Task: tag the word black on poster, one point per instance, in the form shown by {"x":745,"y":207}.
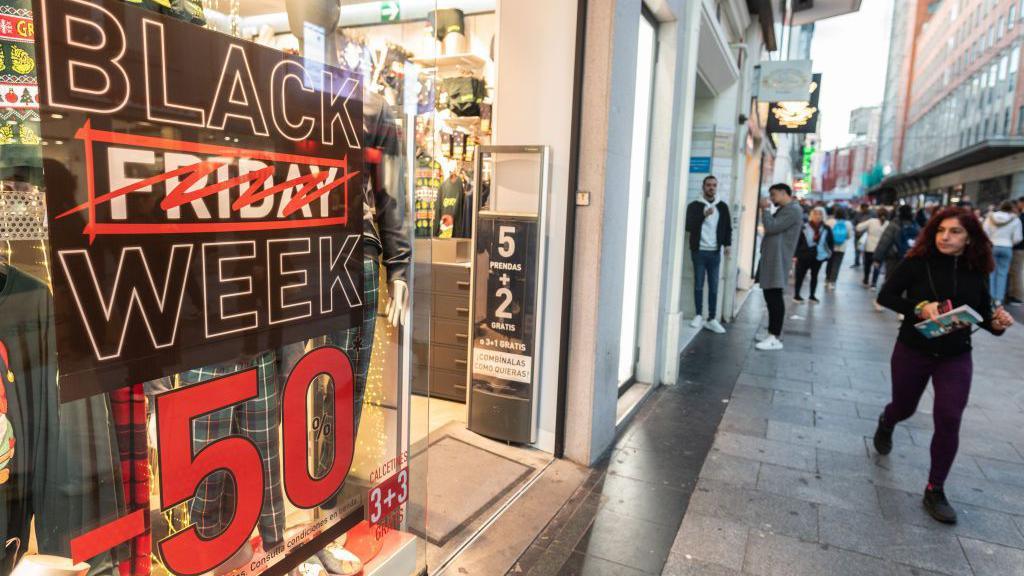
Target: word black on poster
{"x":504,"y":329}
{"x":203,"y":194}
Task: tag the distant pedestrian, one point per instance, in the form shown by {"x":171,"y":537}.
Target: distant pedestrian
{"x":897,"y":239}
{"x":781,"y":232}
{"x":872,"y":229}
{"x":950,"y":262}
{"x":842,"y":236}
{"x":1003,"y":227}
{"x":1015,"y":285}
{"x":922,"y":215}
{"x":813,"y":248}
{"x":862,"y":215}
{"x":710,"y":228}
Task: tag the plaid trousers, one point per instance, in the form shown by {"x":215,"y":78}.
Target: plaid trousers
{"x":357,"y":343}
{"x":258,"y":420}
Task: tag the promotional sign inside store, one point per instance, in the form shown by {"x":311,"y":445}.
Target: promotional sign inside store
{"x":503,"y":348}
{"x":197,"y":212}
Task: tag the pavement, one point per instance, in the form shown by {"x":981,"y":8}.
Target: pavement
{"x":760,"y":463}
{"x":791,"y":485}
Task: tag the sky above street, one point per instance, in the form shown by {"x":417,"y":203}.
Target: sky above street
{"x":851,"y":52}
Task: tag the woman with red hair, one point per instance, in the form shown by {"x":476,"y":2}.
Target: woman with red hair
{"x":950,"y":261}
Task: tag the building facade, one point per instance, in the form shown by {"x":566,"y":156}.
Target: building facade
{"x":961,"y":127}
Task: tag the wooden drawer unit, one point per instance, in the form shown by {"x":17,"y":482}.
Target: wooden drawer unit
{"x":445,"y":384}
{"x":441,"y":343}
{"x":452,"y":279}
{"x":448,"y":385}
{"x":451,"y":307}
{"x":450,"y":332}
{"x":448,"y":357}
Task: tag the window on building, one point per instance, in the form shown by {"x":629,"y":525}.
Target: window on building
{"x":1006,"y":122}
{"x":1020,"y":121}
{"x":1002,"y":27}
{"x":1012,"y":17}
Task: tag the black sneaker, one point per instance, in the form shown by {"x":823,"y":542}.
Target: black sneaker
{"x":883,"y":437}
{"x":938,"y":507}
{"x":814,"y":300}
{"x":798,"y":299}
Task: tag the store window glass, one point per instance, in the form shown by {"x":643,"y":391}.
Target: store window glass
{"x":237,"y":269}
{"x":207,"y":288}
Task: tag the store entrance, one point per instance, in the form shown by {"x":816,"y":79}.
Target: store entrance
{"x":638,"y":191}
{"x":468,"y":476}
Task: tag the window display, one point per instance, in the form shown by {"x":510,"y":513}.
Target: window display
{"x":235,"y":244}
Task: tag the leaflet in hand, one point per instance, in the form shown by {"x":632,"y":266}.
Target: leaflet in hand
{"x":956,"y":319}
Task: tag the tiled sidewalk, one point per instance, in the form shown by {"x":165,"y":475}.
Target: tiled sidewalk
{"x":792,"y":486}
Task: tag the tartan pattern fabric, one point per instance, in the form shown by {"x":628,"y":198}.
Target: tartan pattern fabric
{"x":357,"y":343}
{"x":128,"y":406}
{"x":258,"y":420}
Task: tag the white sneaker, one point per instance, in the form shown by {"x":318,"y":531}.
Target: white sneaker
{"x":715,"y":326}
{"x":769,"y":343}
{"x":697,"y":322}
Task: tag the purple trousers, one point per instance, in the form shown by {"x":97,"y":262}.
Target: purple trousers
{"x":951,"y":379}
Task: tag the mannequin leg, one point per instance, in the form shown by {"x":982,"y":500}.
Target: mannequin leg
{"x":257,"y":419}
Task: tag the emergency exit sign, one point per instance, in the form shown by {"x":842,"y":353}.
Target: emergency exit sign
{"x":390,"y":11}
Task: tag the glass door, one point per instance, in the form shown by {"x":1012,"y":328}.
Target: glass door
{"x":638,"y":184}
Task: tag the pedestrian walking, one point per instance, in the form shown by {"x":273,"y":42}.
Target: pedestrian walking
{"x":781,"y":232}
{"x":842,"y":236}
{"x":863,"y":214}
{"x":897,"y":239}
{"x":1003,"y":227}
{"x":813,"y":248}
{"x":1015,"y":284}
{"x":950,"y":262}
{"x":872,"y":229}
{"x":710,"y":228}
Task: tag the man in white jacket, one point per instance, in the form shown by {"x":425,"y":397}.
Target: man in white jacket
{"x":1005,"y":230}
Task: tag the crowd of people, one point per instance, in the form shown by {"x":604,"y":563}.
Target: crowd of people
{"x":947,"y":271}
{"x":879,"y":237}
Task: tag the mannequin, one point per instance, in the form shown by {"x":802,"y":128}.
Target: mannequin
{"x":384,"y":243}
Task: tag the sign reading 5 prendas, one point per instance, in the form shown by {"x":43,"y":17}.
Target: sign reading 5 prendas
{"x":503,"y":337}
{"x":202,"y":194}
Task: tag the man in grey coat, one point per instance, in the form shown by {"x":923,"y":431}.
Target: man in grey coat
{"x":781,"y":232}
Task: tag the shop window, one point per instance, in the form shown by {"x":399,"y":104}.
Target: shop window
{"x":286,"y":205}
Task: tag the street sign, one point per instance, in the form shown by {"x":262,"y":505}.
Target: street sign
{"x":390,"y":11}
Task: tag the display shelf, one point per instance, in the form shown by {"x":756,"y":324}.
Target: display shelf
{"x":450,"y":61}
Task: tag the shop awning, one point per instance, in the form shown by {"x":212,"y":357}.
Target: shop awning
{"x":808,"y":11}
{"x":980,"y":153}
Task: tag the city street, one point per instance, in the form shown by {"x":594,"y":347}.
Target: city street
{"x":766,"y":460}
{"x":792,"y":485}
